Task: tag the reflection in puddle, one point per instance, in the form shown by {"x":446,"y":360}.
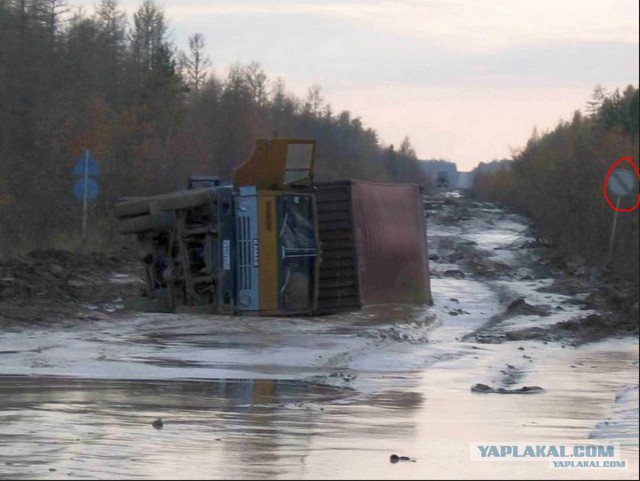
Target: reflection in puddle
{"x":53,"y":427}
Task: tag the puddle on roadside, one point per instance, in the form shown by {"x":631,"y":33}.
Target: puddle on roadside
{"x":52,"y":427}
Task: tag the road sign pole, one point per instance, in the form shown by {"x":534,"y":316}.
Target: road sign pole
{"x":85,"y":188}
{"x":613,"y":231}
{"x":84,"y":202}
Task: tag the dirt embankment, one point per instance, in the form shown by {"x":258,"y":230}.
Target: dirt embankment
{"x":596,"y":287}
{"x":49,"y":285}
{"x":615,"y":299}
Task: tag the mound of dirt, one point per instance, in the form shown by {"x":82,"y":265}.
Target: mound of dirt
{"x":49,"y":284}
{"x":595,"y":327}
{"x":520,"y":307}
{"x":483,"y":388}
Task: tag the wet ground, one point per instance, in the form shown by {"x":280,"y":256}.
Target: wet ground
{"x":331,"y":397}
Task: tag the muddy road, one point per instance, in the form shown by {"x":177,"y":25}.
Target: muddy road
{"x":515,"y":349}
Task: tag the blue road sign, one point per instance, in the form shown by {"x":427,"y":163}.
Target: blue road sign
{"x":91,"y":165}
{"x":91,"y":186}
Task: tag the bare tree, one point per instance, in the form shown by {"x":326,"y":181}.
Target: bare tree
{"x":194,"y":65}
{"x":257,"y":82}
{"x":597,"y":98}
{"x":314,"y":100}
{"x":406,"y":149}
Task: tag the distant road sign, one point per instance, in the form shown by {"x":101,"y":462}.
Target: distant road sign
{"x":621,"y":182}
{"x":86,"y":161}
{"x":92,"y":189}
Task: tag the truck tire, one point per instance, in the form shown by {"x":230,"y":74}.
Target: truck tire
{"x":160,"y":222}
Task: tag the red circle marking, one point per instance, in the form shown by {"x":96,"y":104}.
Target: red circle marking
{"x":606,"y":181}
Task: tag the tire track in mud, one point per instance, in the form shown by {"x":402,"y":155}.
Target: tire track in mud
{"x":475,"y":241}
{"x":403,"y":327}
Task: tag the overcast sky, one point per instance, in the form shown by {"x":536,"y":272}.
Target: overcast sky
{"x":467,"y":81}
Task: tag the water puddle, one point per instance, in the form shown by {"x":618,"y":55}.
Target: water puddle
{"x":90,"y":428}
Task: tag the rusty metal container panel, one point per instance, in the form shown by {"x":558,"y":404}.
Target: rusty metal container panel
{"x":391,"y":243}
{"x":373,"y":239}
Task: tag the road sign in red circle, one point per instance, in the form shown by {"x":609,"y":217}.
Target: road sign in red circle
{"x":606,"y":182}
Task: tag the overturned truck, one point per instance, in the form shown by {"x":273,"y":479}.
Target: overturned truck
{"x":275,"y":242}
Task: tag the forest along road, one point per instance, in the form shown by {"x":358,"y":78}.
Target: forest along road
{"x":89,"y":389}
